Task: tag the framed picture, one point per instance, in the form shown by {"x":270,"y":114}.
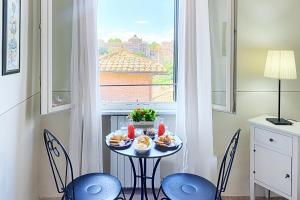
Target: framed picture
{"x":11,"y":36}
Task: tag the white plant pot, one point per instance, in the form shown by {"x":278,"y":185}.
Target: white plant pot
{"x":144,"y":124}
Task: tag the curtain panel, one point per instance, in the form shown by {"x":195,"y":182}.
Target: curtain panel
{"x":85,"y":133}
{"x":194,"y":102}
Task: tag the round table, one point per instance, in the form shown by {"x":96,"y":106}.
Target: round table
{"x":154,"y":152}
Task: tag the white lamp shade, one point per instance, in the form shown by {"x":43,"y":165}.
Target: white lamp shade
{"x":281,"y":65}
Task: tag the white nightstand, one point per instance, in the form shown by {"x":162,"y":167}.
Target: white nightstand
{"x":274,"y":154}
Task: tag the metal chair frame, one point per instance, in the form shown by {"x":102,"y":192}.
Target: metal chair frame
{"x":225,"y":168}
{"x":55,"y":150}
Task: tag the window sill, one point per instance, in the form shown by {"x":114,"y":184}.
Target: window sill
{"x":125,"y":108}
{"x":126,"y":112}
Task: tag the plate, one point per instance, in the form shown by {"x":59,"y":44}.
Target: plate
{"x":126,"y":144}
{"x":136,"y":145}
{"x":173,"y":144}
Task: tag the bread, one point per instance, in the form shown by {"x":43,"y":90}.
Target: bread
{"x":115,"y":140}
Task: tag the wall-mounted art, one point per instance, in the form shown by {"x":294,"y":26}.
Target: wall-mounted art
{"x":11,"y":37}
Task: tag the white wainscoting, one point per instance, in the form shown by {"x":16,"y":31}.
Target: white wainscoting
{"x":121,"y":167}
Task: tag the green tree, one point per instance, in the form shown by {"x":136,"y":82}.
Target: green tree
{"x":114,"y":45}
{"x":154,"y":46}
{"x":102,"y":51}
{"x":166,"y":78}
{"x":140,"y":53}
{"x":115,"y":41}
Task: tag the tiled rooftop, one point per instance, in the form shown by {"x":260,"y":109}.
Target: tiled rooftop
{"x":124,"y":61}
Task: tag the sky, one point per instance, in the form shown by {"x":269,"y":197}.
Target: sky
{"x":151,"y":20}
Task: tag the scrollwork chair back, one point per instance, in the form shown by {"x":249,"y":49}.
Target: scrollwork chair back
{"x":60,"y":163}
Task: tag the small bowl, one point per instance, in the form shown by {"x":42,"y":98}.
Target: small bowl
{"x":140,"y":150}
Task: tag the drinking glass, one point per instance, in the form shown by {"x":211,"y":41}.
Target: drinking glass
{"x":123,"y":126}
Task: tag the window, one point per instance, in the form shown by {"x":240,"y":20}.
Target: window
{"x":223,"y":44}
{"x":137,"y":42}
{"x":56,"y":32}
{"x":137,"y":55}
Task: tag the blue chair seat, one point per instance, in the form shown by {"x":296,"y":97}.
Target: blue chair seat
{"x":183,"y":186}
{"x":94,"y":186}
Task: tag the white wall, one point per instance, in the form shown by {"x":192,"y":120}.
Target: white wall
{"x":58,"y":124}
{"x":19,"y":115}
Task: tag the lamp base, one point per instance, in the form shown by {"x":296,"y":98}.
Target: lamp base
{"x":281,"y":121}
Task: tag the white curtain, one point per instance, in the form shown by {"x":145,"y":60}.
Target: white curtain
{"x":85,"y":133}
{"x":194,"y":104}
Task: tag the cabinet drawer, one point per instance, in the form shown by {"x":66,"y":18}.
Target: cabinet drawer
{"x":273,"y":169}
{"x":277,"y":141}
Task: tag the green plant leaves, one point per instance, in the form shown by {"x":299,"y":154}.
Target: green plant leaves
{"x":142,"y":114}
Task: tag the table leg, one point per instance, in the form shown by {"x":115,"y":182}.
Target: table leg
{"x":142,"y":178}
{"x":134,"y":178}
{"x":145,"y":177}
{"x":252,"y":188}
{"x":153,"y":176}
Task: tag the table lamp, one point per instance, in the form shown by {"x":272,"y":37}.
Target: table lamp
{"x":280,"y":65}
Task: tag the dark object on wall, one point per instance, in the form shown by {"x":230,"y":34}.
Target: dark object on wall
{"x":11,"y":37}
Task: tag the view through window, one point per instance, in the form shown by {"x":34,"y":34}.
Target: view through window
{"x":136,"y":50}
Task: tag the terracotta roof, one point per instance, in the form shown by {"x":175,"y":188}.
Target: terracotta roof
{"x":124,"y":61}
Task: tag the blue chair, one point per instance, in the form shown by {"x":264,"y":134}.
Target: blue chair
{"x":184,"y":186}
{"x":92,"y":186}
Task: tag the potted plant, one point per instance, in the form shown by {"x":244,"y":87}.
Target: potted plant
{"x":143,"y":117}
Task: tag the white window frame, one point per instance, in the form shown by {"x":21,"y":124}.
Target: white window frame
{"x":230,"y":105}
{"x":46,"y":60}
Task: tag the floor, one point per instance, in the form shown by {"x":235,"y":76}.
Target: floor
{"x":137,"y":197}
{"x":224,"y":198}
{"x":247,"y":198}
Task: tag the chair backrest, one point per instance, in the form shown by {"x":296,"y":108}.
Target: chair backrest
{"x":226,"y":164}
{"x":60,"y":163}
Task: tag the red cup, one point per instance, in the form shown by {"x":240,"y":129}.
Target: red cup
{"x":131,"y":134}
{"x":161,"y":129}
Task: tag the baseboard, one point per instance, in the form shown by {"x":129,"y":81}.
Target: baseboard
{"x":50,"y":198}
{"x":223,"y":198}
{"x":248,"y":198}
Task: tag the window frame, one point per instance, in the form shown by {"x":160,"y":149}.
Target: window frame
{"x":165,"y":108}
{"x":46,"y":60}
{"x":230,"y":106}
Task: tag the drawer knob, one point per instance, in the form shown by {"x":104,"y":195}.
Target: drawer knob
{"x":287,"y":176}
{"x":271,"y":140}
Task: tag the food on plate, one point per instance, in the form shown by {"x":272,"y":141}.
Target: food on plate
{"x":165,"y":140}
{"x":141,"y":146}
{"x":142,"y":143}
{"x":151,"y":132}
{"x":118,"y":140}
